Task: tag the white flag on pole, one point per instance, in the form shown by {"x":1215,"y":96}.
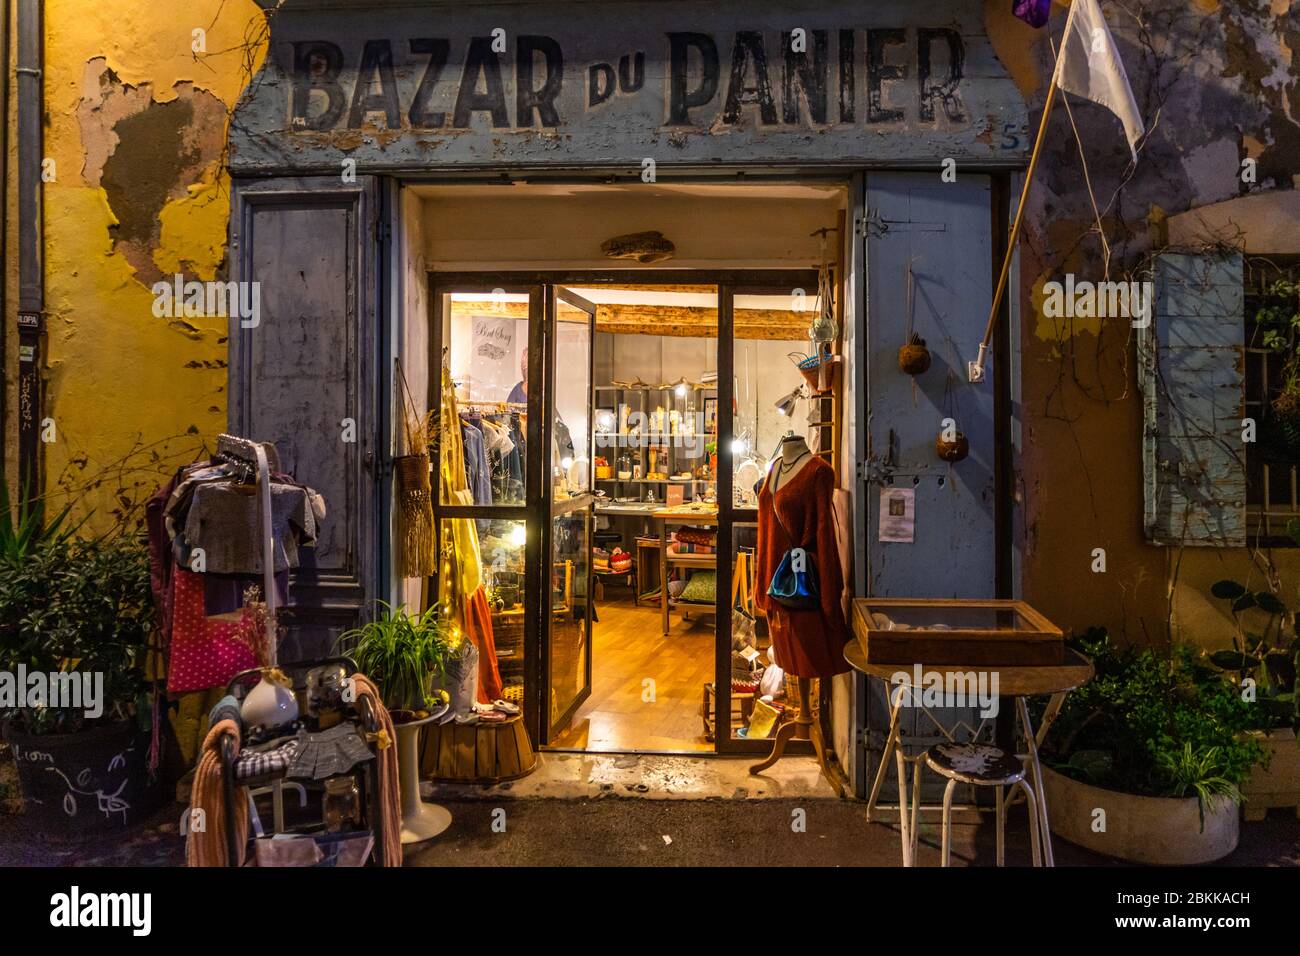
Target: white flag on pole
{"x":1089,"y":66}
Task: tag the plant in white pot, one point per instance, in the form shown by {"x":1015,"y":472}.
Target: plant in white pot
{"x":1262,"y":666}
{"x":76,"y":616}
{"x":404,"y":654}
{"x":1145,"y":762}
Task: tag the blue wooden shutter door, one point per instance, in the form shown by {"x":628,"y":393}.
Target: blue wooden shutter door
{"x":945,"y":231}
{"x":310,"y":364}
{"x":1191,"y":366}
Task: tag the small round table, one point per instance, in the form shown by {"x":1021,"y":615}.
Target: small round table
{"x":1058,"y":680}
{"x":420,"y":821}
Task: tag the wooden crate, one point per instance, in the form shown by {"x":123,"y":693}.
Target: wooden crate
{"x":477,"y":753}
{"x":952,"y":631}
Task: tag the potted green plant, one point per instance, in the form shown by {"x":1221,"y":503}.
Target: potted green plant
{"x":1261,"y":665}
{"x":76,"y":616}
{"x":1146,"y":761}
{"x":403,"y":654}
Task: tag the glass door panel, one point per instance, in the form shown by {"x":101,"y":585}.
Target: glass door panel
{"x":569,"y":402}
{"x":482,"y":444}
{"x":770,"y":398}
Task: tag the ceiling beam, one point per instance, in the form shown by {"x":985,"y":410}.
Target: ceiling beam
{"x":685,"y":321}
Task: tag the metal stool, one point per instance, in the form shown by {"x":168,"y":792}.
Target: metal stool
{"x":983,"y":766}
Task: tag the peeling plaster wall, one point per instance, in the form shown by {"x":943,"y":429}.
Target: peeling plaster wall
{"x":136,"y":125}
{"x":1217,"y":82}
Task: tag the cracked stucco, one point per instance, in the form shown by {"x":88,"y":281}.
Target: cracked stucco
{"x":137,"y":127}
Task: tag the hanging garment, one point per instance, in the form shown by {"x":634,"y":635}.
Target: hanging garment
{"x":204,"y":652}
{"x":207,"y":846}
{"x":388,"y":800}
{"x":809,"y":641}
{"x":460,"y":564}
{"x":478,"y":476}
{"x":224,"y":521}
{"x":478,"y":627}
{"x":161,"y":565}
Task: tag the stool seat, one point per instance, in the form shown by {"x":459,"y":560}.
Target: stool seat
{"x":978,"y":764}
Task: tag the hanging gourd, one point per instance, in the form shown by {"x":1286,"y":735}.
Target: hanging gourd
{"x":951,"y":444}
{"x":914,"y":357}
{"x":951,"y":447}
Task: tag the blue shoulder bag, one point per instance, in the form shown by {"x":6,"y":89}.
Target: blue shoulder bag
{"x":794,"y":583}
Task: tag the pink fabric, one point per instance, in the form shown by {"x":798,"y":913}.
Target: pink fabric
{"x":204,"y":653}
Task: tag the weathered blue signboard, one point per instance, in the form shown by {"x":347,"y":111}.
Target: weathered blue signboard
{"x":581,"y":84}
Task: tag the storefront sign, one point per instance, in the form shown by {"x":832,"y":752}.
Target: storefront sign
{"x":635,"y":84}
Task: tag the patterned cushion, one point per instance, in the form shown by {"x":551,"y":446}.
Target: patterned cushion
{"x":974,"y":763}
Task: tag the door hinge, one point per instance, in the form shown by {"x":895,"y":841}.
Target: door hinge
{"x":383,"y":230}
{"x":869,"y":225}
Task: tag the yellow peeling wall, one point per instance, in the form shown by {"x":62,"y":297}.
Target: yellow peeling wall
{"x":136,"y":132}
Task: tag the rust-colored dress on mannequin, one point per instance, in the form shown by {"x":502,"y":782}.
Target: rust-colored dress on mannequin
{"x":809,"y":642}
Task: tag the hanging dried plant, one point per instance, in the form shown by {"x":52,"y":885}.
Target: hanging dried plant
{"x":414,"y":491}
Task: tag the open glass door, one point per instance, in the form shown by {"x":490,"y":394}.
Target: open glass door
{"x":566,"y":679}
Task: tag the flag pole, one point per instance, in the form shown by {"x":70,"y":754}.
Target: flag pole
{"x":975,"y":369}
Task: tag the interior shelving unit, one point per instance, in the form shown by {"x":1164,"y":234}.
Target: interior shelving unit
{"x":678,"y":450}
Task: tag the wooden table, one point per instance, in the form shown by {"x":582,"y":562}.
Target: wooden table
{"x":1014,"y":682}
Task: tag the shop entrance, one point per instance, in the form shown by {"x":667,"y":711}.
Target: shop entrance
{"x":615,"y":511}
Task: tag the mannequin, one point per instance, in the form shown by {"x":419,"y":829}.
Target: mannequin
{"x":795,"y":453}
{"x":795,"y":457}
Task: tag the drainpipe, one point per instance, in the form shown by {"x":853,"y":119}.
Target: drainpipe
{"x":5,"y":36}
{"x":31,"y":236}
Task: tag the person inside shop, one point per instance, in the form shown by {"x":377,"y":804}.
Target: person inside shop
{"x":563,"y":440}
{"x":520,"y":392}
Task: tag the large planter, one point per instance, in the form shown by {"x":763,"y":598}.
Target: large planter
{"x":83,"y":785}
{"x":1158,"y":830}
{"x":1279,"y":785}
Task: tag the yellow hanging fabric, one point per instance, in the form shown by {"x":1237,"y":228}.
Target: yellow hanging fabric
{"x":462,"y":564}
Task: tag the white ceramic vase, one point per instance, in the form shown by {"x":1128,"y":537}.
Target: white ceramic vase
{"x":269,"y":704}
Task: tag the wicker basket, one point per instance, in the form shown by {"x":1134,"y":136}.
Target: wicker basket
{"x":412,"y":472}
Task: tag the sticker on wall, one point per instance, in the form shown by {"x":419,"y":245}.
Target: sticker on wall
{"x":898,"y":515}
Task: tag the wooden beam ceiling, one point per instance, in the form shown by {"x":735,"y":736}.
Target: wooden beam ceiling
{"x":685,"y":321}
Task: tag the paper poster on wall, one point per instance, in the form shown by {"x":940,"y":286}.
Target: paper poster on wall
{"x":493,"y":351}
{"x":898,"y":515}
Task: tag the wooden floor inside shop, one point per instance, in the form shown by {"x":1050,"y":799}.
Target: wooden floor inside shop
{"x":627,"y":647}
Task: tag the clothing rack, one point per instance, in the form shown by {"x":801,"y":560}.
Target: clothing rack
{"x":256,"y":458}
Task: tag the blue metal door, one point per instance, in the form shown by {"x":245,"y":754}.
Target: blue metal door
{"x":929,"y":250}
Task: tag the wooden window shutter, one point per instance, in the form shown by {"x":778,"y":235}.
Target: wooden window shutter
{"x":1191,"y":366}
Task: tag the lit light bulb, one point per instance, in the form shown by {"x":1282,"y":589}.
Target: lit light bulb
{"x":738,"y":446}
{"x":681,"y":389}
{"x":566,"y":463}
{"x":518,"y":535}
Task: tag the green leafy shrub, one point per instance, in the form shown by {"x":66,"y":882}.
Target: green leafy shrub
{"x":1269,"y":656}
{"x":79,"y":606}
{"x":1154,"y":727}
